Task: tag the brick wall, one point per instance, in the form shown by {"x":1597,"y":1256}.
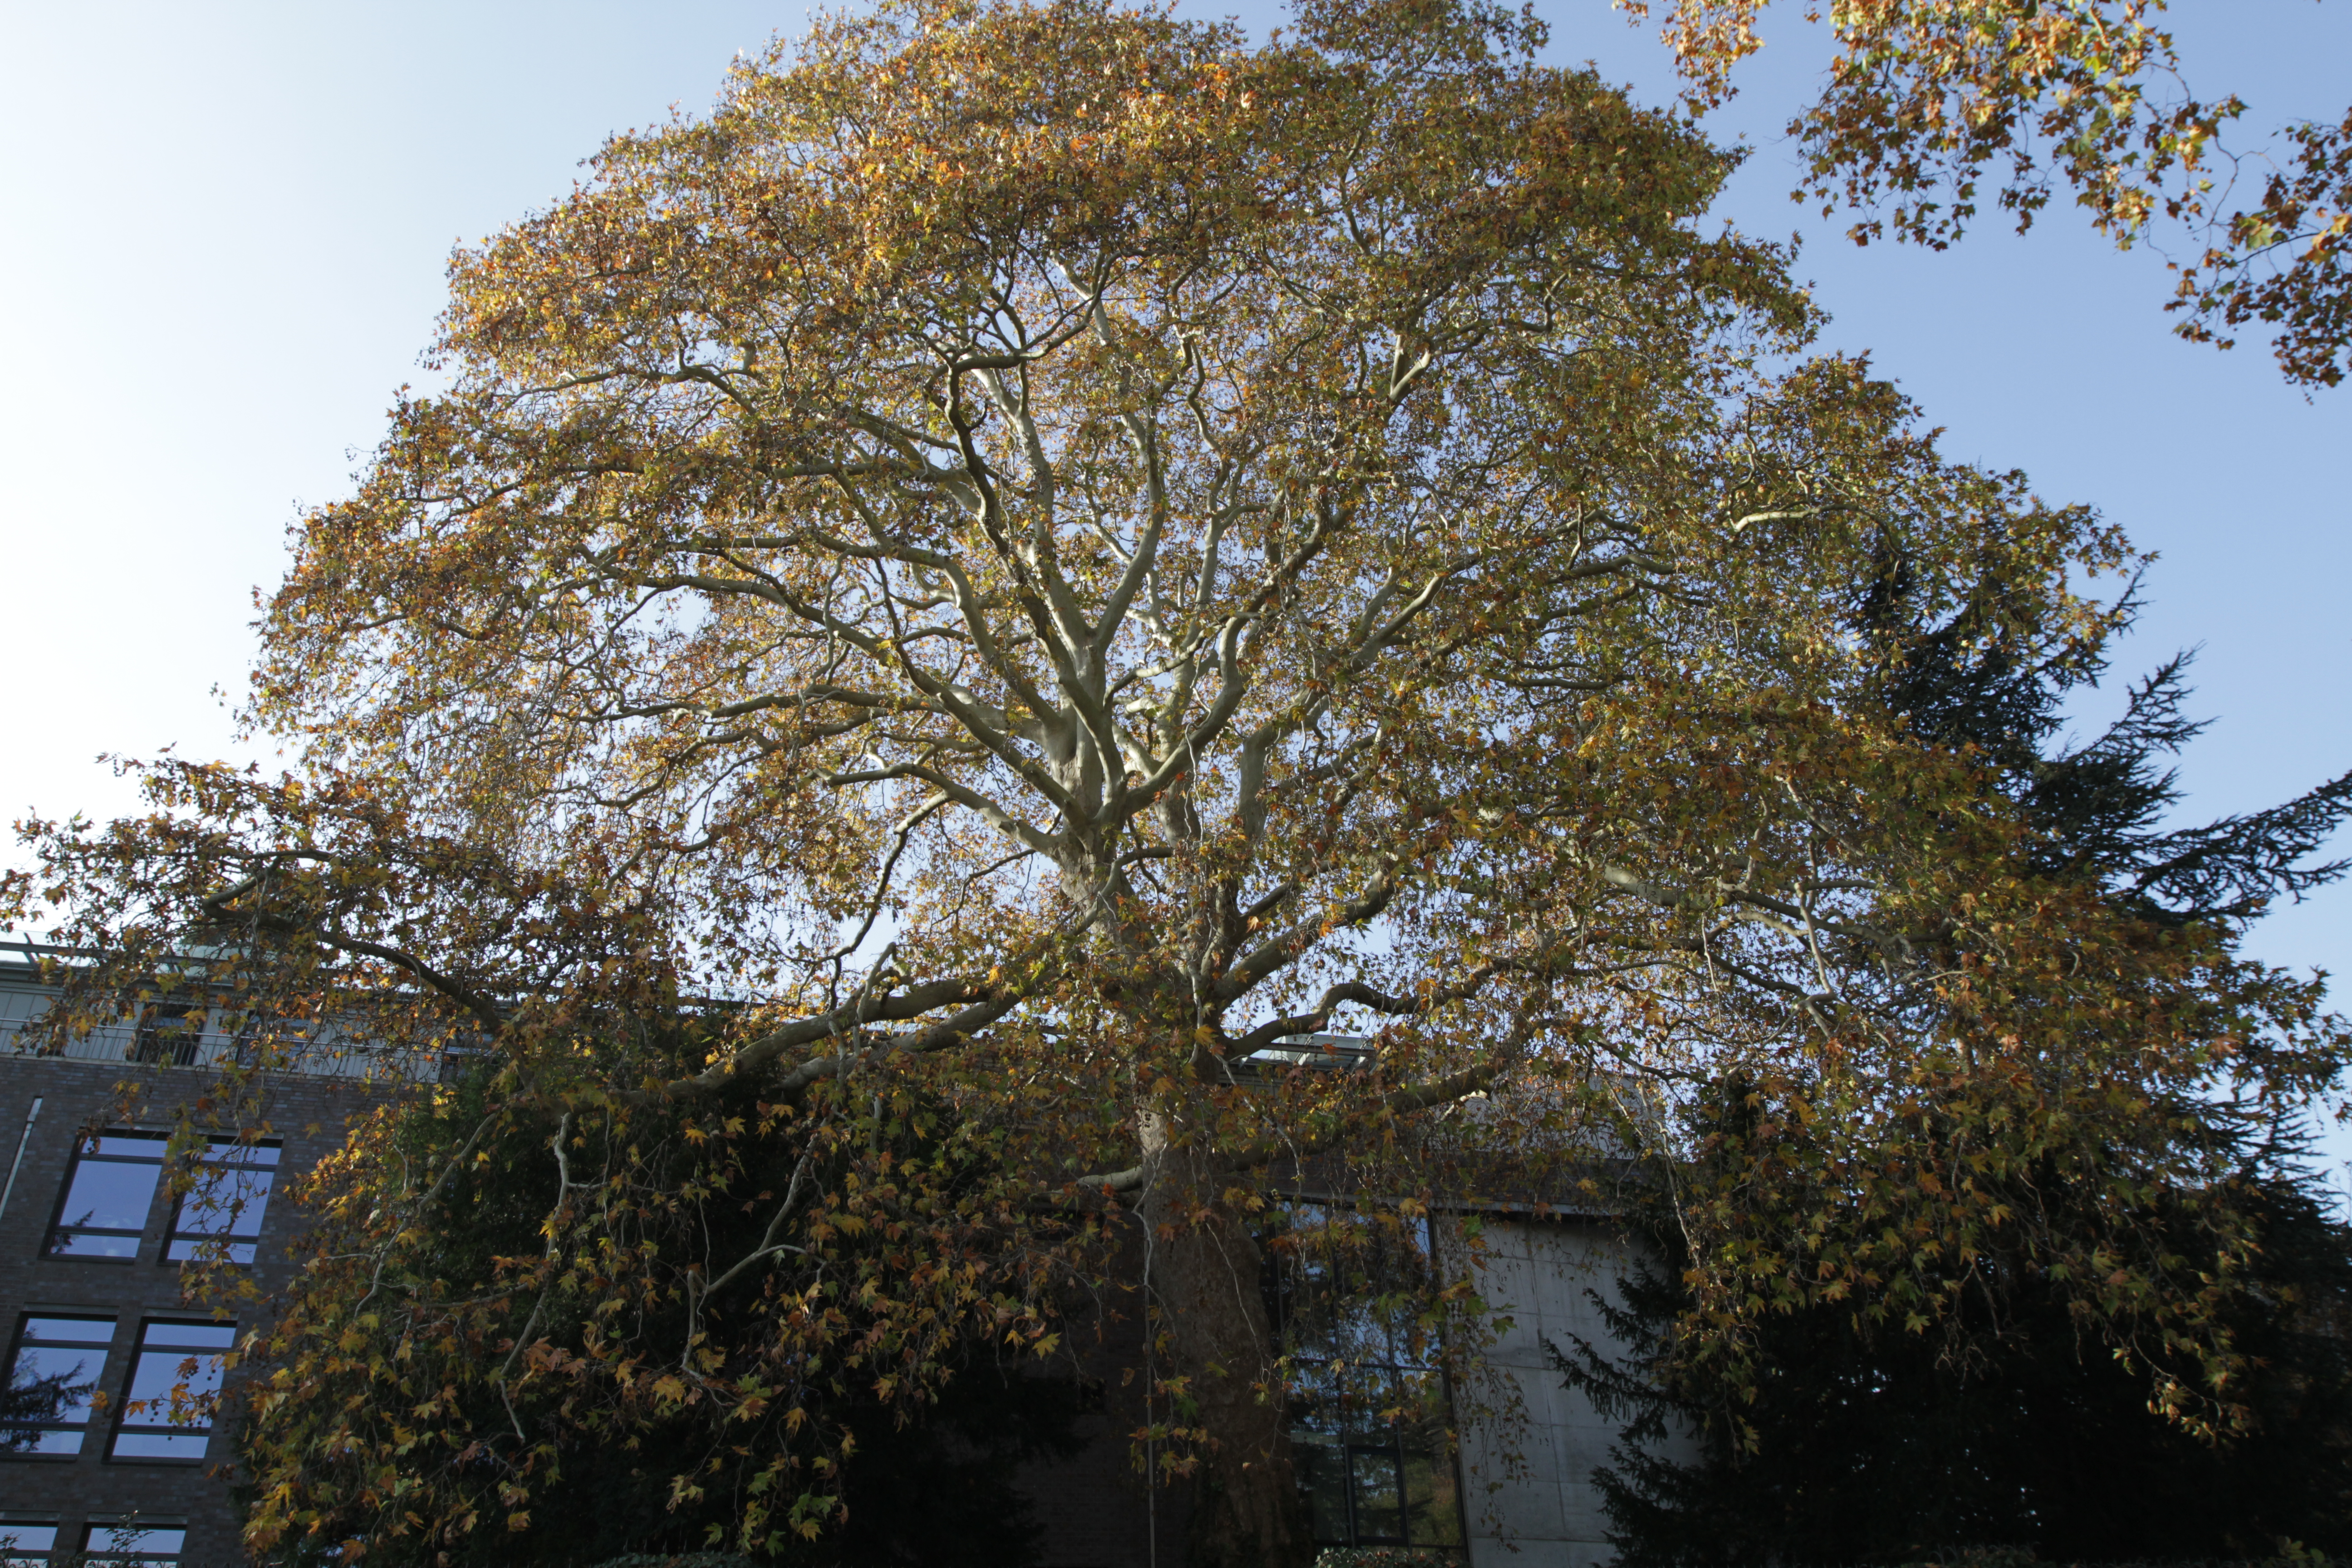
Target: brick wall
{"x":77,"y":1097}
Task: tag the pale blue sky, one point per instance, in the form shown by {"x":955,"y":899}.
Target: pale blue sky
{"x":227,"y":226}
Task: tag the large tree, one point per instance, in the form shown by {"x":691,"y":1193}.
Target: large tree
{"x":1032,"y":554}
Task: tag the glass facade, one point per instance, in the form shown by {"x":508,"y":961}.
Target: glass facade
{"x":1369,"y":1425}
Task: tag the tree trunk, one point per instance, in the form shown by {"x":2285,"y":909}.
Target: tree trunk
{"x":1204,"y":1281}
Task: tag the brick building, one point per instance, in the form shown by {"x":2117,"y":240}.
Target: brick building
{"x":95,"y":1459}
{"x":98,"y":1461}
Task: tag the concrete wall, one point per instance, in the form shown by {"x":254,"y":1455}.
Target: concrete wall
{"x":1529,"y":1444}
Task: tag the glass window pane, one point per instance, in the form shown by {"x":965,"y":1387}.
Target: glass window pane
{"x":1433,"y":1516}
{"x":51,"y":1384}
{"x":151,"y":1545}
{"x":196,"y":1336}
{"x":26,"y":1543}
{"x":220,"y":1217}
{"x":1379,"y":1498}
{"x":170,"y":1382}
{"x":70,"y":1331}
{"x":1322,"y":1469}
{"x":147,"y":1443}
{"x":108,"y":1191}
{"x":167,"y":1410}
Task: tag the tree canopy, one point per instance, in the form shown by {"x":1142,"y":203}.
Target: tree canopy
{"x":1036,"y":552}
{"x":1933,"y":109}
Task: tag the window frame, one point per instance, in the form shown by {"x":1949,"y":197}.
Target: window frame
{"x":104,"y":1349}
{"x":13,"y":1520}
{"x":127,"y":1422}
{"x":1359,"y":1445}
{"x":97,"y":1556}
{"x":1331,"y":1421}
{"x":249,"y":1157}
{"x":89,"y":1149}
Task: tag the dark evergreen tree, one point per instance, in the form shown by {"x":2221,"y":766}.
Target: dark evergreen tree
{"x":1858,"y":1439}
{"x":27,"y":1399}
{"x":1871,"y":1442}
{"x":1985,"y":681}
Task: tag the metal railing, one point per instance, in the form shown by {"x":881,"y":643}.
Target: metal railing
{"x":183,"y":1034}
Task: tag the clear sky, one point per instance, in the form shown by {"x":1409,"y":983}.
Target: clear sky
{"x":227,"y":226}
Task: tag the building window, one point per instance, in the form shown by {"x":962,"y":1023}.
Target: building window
{"x":1373,"y":1459}
{"x":218,"y":1219}
{"x":110,"y":1542}
{"x":1368,"y":1411}
{"x":261,"y":1039}
{"x":53,"y":1369}
{"x":27,"y":1540}
{"x":108,"y":1191}
{"x":175,"y":1391}
{"x":169,"y":1033}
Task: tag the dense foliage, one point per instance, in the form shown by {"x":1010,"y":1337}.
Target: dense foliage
{"x":475,"y":1286}
{"x":1862,"y":1440}
{"x":480,"y":1320}
{"x":1842,"y":1432}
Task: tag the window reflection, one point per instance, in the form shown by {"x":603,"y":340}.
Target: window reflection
{"x":27,"y":1540}
{"x":219,"y":1218}
{"x":175,"y":1391}
{"x":53,"y":1371}
{"x":108,"y":1191}
{"x":1368,"y":1400}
